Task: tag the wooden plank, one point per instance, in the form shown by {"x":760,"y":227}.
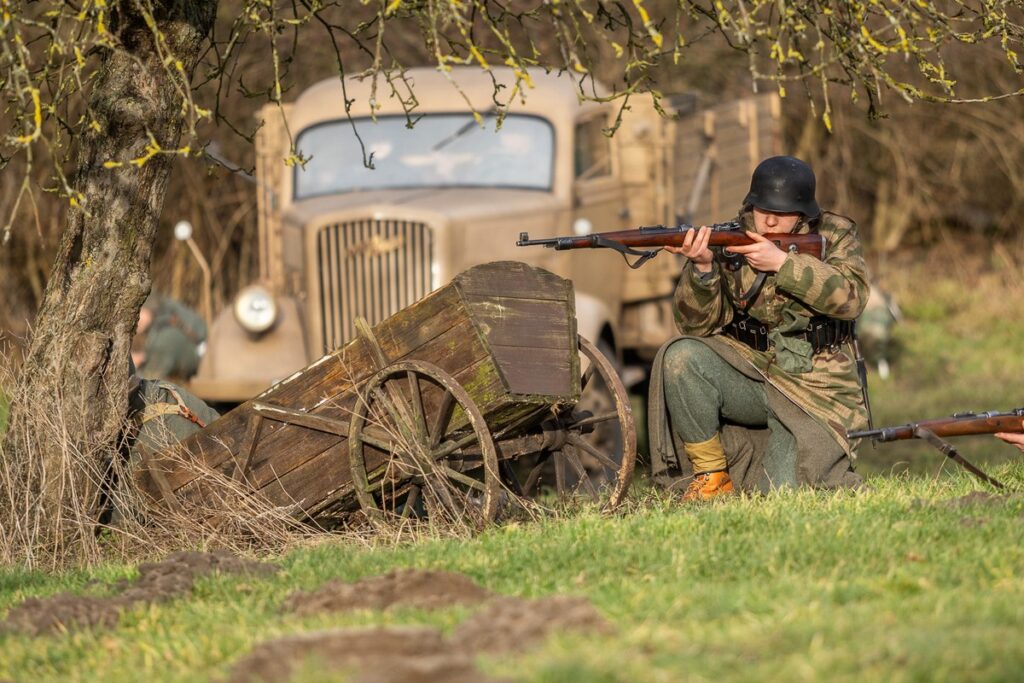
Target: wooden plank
{"x":513,"y":279}
{"x":543,"y":324}
{"x":545,"y":372}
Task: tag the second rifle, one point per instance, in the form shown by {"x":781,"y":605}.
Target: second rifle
{"x":961,"y":424}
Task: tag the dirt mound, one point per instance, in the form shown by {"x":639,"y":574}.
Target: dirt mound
{"x":420,"y":654}
{"x":424,"y":589}
{"x":157,"y":582}
{"x":376,"y":655}
{"x":512,"y":624}
{"x":975,"y":498}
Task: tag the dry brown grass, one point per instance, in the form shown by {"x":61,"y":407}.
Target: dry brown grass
{"x":105,"y":515}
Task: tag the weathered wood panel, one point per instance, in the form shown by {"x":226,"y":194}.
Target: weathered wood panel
{"x":531,"y":371}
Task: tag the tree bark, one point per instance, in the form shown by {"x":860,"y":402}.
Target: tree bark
{"x":71,"y":400}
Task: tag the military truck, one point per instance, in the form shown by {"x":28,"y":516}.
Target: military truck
{"x":339,"y":240}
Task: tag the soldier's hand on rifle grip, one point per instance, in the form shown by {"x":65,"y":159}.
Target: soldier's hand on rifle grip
{"x":762,"y":255}
{"x":1013,"y":438}
{"x":695,"y":248}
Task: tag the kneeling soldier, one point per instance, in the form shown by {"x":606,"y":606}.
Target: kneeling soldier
{"x":762,"y":386}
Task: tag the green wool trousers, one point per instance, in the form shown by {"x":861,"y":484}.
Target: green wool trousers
{"x":703,"y":393}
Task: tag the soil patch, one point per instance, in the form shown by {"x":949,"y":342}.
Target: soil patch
{"x":377,"y":655}
{"x":509,"y":624}
{"x":417,"y":588}
{"x":157,"y":582}
{"x":975,"y":498}
{"x":972,"y":498}
{"x":413,"y":654}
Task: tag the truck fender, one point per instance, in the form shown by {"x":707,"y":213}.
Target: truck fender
{"x":238,"y":365}
{"x":592,"y":316}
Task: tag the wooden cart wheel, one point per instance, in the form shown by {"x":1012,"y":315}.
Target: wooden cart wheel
{"x":594,"y":442}
{"x":424,"y":469}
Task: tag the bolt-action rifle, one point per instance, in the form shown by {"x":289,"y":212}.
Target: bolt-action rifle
{"x":646,"y":242}
{"x":960,"y":424}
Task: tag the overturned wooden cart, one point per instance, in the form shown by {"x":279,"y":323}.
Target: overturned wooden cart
{"x":480,"y":394}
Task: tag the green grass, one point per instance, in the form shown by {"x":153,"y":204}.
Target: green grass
{"x":888,"y":583}
{"x":961,"y":348}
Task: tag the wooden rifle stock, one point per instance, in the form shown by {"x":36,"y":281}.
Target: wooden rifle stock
{"x":961,"y":424}
{"x":653,"y":239}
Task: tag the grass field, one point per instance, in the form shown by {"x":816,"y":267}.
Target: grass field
{"x":961,"y":348}
{"x":905,"y":581}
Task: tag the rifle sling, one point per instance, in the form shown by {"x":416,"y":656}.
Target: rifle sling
{"x":747,"y":298}
{"x":949,"y":450}
{"x":645,"y":256}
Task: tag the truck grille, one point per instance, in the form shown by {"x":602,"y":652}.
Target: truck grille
{"x":371,"y":269}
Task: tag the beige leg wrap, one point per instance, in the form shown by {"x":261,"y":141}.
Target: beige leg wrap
{"x":707,"y":456}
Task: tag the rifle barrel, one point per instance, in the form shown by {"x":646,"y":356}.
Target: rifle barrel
{"x":961,"y":424}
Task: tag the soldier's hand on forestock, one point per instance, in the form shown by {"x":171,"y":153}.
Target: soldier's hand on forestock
{"x":762,"y":255}
{"x":695,"y":248}
{"x":1013,"y":438}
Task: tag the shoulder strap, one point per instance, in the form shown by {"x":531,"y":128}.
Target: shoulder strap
{"x":155,"y":410}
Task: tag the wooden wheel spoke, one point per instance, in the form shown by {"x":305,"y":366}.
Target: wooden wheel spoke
{"x":378,"y":439}
{"x":560,"y":475}
{"x":580,"y":442}
{"x":572,"y":457}
{"x":411,"y":500}
{"x":416,"y":401}
{"x":462,"y":478}
{"x":534,"y":476}
{"x":444,"y":416}
{"x":587,"y":376}
{"x":594,"y":419}
{"x":450,"y":447}
{"x":391,"y":410}
{"x":442,"y":494}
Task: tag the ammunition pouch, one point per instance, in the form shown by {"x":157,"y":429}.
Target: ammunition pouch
{"x":822,"y":332}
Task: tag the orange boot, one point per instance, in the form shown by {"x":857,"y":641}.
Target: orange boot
{"x":708,"y":485}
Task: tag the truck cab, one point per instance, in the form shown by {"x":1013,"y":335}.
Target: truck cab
{"x":363,"y":212}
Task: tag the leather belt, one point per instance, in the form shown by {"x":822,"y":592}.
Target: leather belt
{"x":822,"y":332}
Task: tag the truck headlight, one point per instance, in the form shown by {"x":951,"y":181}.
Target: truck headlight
{"x":255,"y":309}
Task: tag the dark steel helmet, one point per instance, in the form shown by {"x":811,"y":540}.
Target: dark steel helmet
{"x":783,"y":185}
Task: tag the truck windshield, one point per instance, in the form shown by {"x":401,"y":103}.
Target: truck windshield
{"x":441,"y":150}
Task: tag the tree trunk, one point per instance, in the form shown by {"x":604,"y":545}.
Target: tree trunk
{"x":71,"y":399}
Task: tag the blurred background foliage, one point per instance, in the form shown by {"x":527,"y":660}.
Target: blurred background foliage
{"x":908,"y":170}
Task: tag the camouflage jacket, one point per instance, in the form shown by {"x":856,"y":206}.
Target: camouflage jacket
{"x":825,"y":385}
{"x":163,"y":413}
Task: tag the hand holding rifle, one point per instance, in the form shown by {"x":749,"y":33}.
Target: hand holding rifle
{"x":1013,"y":438}
{"x":695,"y":248}
{"x":762,"y":254}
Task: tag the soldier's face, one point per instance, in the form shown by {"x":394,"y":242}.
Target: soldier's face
{"x":770,"y":221}
{"x":145,"y":318}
